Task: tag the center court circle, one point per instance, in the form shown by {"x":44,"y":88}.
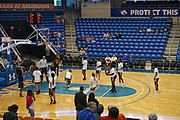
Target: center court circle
{"x":101,"y":91}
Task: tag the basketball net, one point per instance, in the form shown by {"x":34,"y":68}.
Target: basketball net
{"x":6,"y":40}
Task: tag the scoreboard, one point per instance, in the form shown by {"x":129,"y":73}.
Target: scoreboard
{"x":34,"y":18}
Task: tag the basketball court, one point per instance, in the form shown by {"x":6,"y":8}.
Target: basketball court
{"x":136,"y":99}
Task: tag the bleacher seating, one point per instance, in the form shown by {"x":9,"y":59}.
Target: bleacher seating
{"x":47,"y":21}
{"x":141,"y":45}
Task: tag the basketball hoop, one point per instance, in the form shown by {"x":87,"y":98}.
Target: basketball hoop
{"x":45,"y":43}
{"x":6,"y":40}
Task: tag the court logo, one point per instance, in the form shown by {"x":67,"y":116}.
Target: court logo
{"x":123,"y":12}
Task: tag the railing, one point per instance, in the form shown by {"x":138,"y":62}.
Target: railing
{"x":3,"y":31}
{"x":172,"y":41}
{"x":17,"y":53}
{"x":72,"y":46}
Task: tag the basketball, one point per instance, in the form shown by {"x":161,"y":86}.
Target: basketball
{"x":107,"y":72}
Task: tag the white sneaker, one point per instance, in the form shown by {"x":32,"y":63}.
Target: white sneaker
{"x":68,"y":86}
{"x":155,"y":92}
{"x":122,"y":84}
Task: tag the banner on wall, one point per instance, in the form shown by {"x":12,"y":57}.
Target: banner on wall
{"x":145,"y":12}
{"x":35,"y":6}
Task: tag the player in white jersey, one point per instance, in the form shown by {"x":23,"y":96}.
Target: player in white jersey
{"x":52,"y":87}
{"x":107,"y":60}
{"x":156,"y":78}
{"x":68,"y":78}
{"x":120,"y":71}
{"x":98,"y":68}
{"x":37,"y":79}
{"x":43,"y":66}
{"x":84,"y":67}
{"x":93,"y":82}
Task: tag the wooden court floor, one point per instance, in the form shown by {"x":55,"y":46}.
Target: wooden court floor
{"x":166,"y":103}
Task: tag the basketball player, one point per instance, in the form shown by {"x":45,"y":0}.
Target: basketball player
{"x":120,"y":71}
{"x":56,"y":63}
{"x":107,"y":60}
{"x":37,"y":79}
{"x":20,"y":78}
{"x":43,"y":66}
{"x":84,"y":68}
{"x":93,"y":82}
{"x":68,"y":78}
{"x":156,"y":78}
{"x":113,"y":76}
{"x":52,"y":87}
{"x":98,"y":69}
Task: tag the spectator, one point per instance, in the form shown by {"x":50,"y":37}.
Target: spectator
{"x":121,"y":116}
{"x":118,"y":35}
{"x":58,"y":34}
{"x":139,"y":30}
{"x":85,"y":48}
{"x":80,"y":100}
{"x":81,"y":52}
{"x":165,"y":29}
{"x":112,"y":115}
{"x":12,"y":113}
{"x":88,"y":113}
{"x":30,"y":102}
{"x":88,"y":39}
{"x":83,"y":37}
{"x":157,"y":30}
{"x":55,"y":34}
{"x":92,"y":38}
{"x":148,"y":30}
{"x":78,"y":38}
{"x":110,"y":106}
{"x":107,"y":60}
{"x":152,"y":116}
{"x":57,"y":44}
{"x":110,"y":35}
{"x":125,"y":60}
{"x":93,"y":99}
{"x":99,"y":111}
{"x":130,"y":61}
{"x":106,"y":35}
